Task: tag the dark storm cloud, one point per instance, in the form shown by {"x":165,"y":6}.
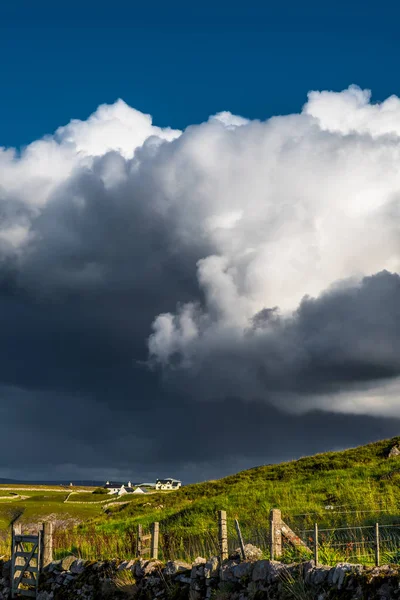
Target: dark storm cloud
{"x":347,"y":339}
{"x":102,"y":240}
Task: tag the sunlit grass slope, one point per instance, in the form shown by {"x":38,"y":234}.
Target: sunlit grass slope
{"x":361,"y":484}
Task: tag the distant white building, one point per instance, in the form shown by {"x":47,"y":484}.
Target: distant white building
{"x":119,"y":488}
{"x":168,"y":484}
{"x":113,"y":487}
{"x":140,"y":490}
{"x":125,"y":489}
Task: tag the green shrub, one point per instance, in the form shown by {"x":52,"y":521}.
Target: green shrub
{"x":100,"y":490}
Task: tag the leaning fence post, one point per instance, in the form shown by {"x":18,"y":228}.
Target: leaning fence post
{"x":47,"y":555}
{"x":139,"y":541}
{"x":241,"y":544}
{"x":275,"y":532}
{"x":316,"y":544}
{"x":222,"y":534}
{"x":377,"y":554}
{"x":154,"y":540}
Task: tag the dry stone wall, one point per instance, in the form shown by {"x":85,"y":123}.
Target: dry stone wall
{"x":73,"y":579}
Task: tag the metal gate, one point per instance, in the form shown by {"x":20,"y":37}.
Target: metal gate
{"x":25,"y":563}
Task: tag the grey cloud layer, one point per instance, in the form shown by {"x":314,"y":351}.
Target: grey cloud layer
{"x":115,"y":230}
{"x":344,"y":340}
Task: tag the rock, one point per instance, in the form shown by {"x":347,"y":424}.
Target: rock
{"x":199,"y":561}
{"x":196,"y":585}
{"x":151,"y":566}
{"x":45,"y":595}
{"x":275,"y":570}
{"x":251,"y":553}
{"x":340,"y":573}
{"x":176,"y":566}
{"x":318,"y":576}
{"x":394,"y":451}
{"x":137,"y":568}
{"x":385,"y":591}
{"x":67,"y":562}
{"x":243,"y":569}
{"x":211,"y":567}
{"x":226,"y":570}
{"x":183,"y":579}
{"x":261,"y":570}
{"x":197,"y":572}
{"x":152,"y":581}
{"x":78,"y":566}
{"x":53,"y":566}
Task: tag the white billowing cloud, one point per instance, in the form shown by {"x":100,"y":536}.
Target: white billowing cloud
{"x":261,"y":213}
{"x":34,"y":174}
{"x":292,"y":206}
{"x":351,"y":111}
{"x":112,"y":127}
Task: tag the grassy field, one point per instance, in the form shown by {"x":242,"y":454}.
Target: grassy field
{"x":361,"y":484}
{"x":33,"y":505}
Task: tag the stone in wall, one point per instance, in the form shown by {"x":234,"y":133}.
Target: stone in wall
{"x":74,"y":579}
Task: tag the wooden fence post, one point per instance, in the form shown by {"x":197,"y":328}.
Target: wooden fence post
{"x":154,"y":540}
{"x":223,"y":534}
{"x":377,"y":549}
{"x":139,"y":541}
{"x":275,"y":530}
{"x":47,"y":555}
{"x":316,"y":544}
{"x":241,"y":544}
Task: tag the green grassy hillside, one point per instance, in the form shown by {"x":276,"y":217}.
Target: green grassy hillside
{"x":354,"y":487}
{"x":359,"y":483}
{"x":362,"y":485}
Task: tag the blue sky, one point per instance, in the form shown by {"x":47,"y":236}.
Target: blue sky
{"x":182,"y":62}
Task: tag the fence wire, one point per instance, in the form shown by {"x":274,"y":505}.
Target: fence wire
{"x":185,"y":538}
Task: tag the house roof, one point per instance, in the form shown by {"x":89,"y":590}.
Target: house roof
{"x":168,"y":480}
{"x":113,"y":485}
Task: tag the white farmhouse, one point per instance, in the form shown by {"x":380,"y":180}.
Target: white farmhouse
{"x":119,"y":488}
{"x":113,"y":488}
{"x":125,"y":489}
{"x":168,"y":484}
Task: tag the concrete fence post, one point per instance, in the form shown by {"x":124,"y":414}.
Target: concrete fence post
{"x":155,"y":532}
{"x":47,"y":555}
{"x":275,"y":530}
{"x":377,"y":549}
{"x":139,"y":541}
{"x":316,"y":547}
{"x":222,"y":534}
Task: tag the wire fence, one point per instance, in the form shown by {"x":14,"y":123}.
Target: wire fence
{"x":186,"y":540}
